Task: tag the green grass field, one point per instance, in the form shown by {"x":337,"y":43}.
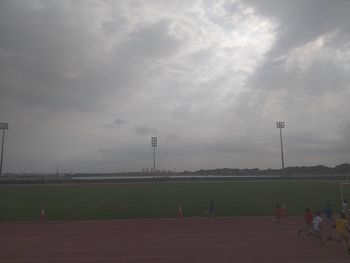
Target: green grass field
{"x":160,"y":200}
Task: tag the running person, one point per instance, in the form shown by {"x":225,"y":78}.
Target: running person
{"x":328,"y":213}
{"x":316,"y":227}
{"x":344,"y":207}
{"x":278,"y":214}
{"x":342,"y":230}
{"x":308,"y":217}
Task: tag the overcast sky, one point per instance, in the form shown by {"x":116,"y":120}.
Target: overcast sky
{"x":86,"y":84}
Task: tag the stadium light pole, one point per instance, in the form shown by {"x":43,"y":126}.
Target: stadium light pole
{"x":3,"y":126}
{"x":280,"y":125}
{"x":154,"y":145}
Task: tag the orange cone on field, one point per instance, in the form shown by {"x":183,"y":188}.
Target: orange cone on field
{"x":42,"y":215}
{"x":179,"y":212}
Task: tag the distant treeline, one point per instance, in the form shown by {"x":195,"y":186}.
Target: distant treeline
{"x":302,"y":170}
{"x":342,"y":169}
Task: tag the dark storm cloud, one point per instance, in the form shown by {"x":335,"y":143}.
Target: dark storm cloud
{"x":153,"y":40}
{"x":300,"y":21}
{"x":48,"y":60}
{"x":145,"y":130}
{"x":120,"y":121}
{"x":43,"y":55}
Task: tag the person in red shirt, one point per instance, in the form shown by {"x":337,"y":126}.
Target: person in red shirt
{"x":308,"y":217}
{"x":278,"y":214}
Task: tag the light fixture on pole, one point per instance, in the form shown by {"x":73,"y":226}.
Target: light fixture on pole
{"x":280,"y":125}
{"x":3,"y":126}
{"x":154,"y":145}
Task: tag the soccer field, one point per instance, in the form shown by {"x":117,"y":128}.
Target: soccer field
{"x":160,"y":200}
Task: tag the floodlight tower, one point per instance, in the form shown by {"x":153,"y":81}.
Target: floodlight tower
{"x":3,"y":126}
{"x":154,"y":145}
{"x":280,"y":125}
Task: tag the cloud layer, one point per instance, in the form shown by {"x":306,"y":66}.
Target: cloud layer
{"x":85,"y":85}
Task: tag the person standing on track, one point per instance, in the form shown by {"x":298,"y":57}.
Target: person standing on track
{"x":211,"y":209}
{"x":308,"y":217}
{"x":342,"y":230}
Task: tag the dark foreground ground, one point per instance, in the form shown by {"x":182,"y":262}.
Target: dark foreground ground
{"x":166,"y":240}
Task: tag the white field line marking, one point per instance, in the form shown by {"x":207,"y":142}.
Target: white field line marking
{"x":139,"y":248}
{"x":165,"y":219}
{"x":104,"y":201}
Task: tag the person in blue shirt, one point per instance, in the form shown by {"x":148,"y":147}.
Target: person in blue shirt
{"x":211,"y":209}
{"x":328,"y":213}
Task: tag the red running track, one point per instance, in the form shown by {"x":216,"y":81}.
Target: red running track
{"x":164,"y":240}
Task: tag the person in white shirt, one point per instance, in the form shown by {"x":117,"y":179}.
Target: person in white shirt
{"x":316,"y":227}
{"x":344,"y":207}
